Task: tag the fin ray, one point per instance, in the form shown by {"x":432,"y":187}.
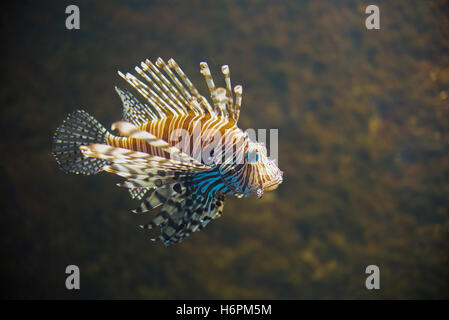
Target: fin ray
{"x":79,"y":129}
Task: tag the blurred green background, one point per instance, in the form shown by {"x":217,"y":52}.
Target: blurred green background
{"x":363,"y":119}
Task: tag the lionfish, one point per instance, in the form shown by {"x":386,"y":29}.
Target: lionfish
{"x":176,"y":151}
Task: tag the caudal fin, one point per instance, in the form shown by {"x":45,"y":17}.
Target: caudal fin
{"x":79,"y":129}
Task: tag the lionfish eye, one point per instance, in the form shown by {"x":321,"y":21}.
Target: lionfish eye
{"x":251,"y":156}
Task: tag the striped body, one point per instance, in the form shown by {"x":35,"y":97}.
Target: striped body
{"x":200,"y":130}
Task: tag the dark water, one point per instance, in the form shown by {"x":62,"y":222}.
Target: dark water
{"x":363,"y":141}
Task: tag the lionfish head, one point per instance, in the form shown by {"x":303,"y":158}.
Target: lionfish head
{"x":263,"y":173}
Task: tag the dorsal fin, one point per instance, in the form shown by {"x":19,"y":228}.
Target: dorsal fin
{"x":174,"y":94}
{"x":133,"y":111}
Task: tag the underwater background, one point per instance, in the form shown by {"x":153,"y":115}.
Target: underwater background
{"x":363,"y":119}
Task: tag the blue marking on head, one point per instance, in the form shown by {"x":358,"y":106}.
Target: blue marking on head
{"x":252,"y":156}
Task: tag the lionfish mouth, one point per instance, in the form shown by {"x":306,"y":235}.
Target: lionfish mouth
{"x":273,"y":186}
{"x":274,"y":183}
{"x":268,"y":187}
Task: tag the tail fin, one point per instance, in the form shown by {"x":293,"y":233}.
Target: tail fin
{"x":79,"y":129}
